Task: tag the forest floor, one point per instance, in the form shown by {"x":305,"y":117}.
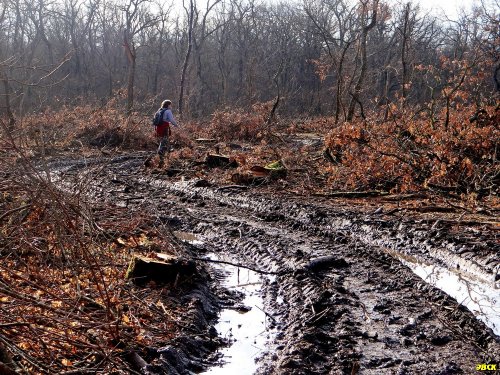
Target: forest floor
{"x":322,"y":282}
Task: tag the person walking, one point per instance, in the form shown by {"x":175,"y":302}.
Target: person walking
{"x":163,"y":131}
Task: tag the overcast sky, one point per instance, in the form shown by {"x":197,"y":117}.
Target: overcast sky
{"x":441,"y":8}
{"x":449,"y":8}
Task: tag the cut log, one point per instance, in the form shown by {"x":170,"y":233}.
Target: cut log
{"x":258,"y":175}
{"x":216,"y":160}
{"x":205,"y":140}
{"x":168,"y":269}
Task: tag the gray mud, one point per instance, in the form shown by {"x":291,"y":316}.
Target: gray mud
{"x":343,"y":299}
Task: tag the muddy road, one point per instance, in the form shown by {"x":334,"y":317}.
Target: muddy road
{"x":343,"y":289}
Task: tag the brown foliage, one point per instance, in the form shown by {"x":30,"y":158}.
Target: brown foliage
{"x":403,"y":155}
{"x":86,"y":126}
{"x":238,"y":124}
{"x":64,"y":303}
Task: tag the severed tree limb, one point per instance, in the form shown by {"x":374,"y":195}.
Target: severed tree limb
{"x":267,"y":314}
{"x":352,"y":194}
{"x":237,"y":265}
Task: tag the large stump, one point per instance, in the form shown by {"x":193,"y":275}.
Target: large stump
{"x":143,"y":269}
{"x":216,"y":160}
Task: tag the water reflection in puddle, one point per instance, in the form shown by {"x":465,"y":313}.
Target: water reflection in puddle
{"x":188,"y":237}
{"x":481,"y":297}
{"x":247,"y":332}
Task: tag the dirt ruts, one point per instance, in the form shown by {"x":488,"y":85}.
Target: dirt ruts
{"x":340,"y":303}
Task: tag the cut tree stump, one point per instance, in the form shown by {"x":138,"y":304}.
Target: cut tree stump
{"x":216,"y":160}
{"x":165,"y":270}
{"x":258,"y":175}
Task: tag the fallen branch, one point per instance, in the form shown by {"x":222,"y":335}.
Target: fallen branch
{"x":228,"y":187}
{"x":400,"y":197}
{"x":237,"y":265}
{"x":14,"y":324}
{"x":267,"y":314}
{"x":316,"y":317}
{"x":352,"y":194}
{"x":10,"y":212}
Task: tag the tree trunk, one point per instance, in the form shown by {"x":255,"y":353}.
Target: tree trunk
{"x":338,"y":104}
{"x":185,"y":65}
{"x":404,"y":48}
{"x":130,"y":51}
{"x":359,"y":83}
{"x":8,"y":109}
{"x":159,"y":62}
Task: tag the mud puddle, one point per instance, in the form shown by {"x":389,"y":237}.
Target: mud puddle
{"x":244,"y":327}
{"x":187,"y":237}
{"x":481,"y":297}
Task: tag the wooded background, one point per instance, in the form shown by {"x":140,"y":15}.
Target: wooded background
{"x":321,"y":57}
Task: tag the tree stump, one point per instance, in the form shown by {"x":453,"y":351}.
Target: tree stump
{"x":216,"y":160}
{"x":143,"y":269}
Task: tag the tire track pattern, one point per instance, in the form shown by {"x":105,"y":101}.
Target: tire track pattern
{"x":341,"y":305}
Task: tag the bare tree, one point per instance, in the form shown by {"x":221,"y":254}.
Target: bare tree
{"x":336,"y":56}
{"x":192,"y":16}
{"x":205,"y":31}
{"x":137,"y":18}
{"x":362,"y":48}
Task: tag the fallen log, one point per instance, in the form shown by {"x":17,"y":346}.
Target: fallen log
{"x":240,"y":266}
